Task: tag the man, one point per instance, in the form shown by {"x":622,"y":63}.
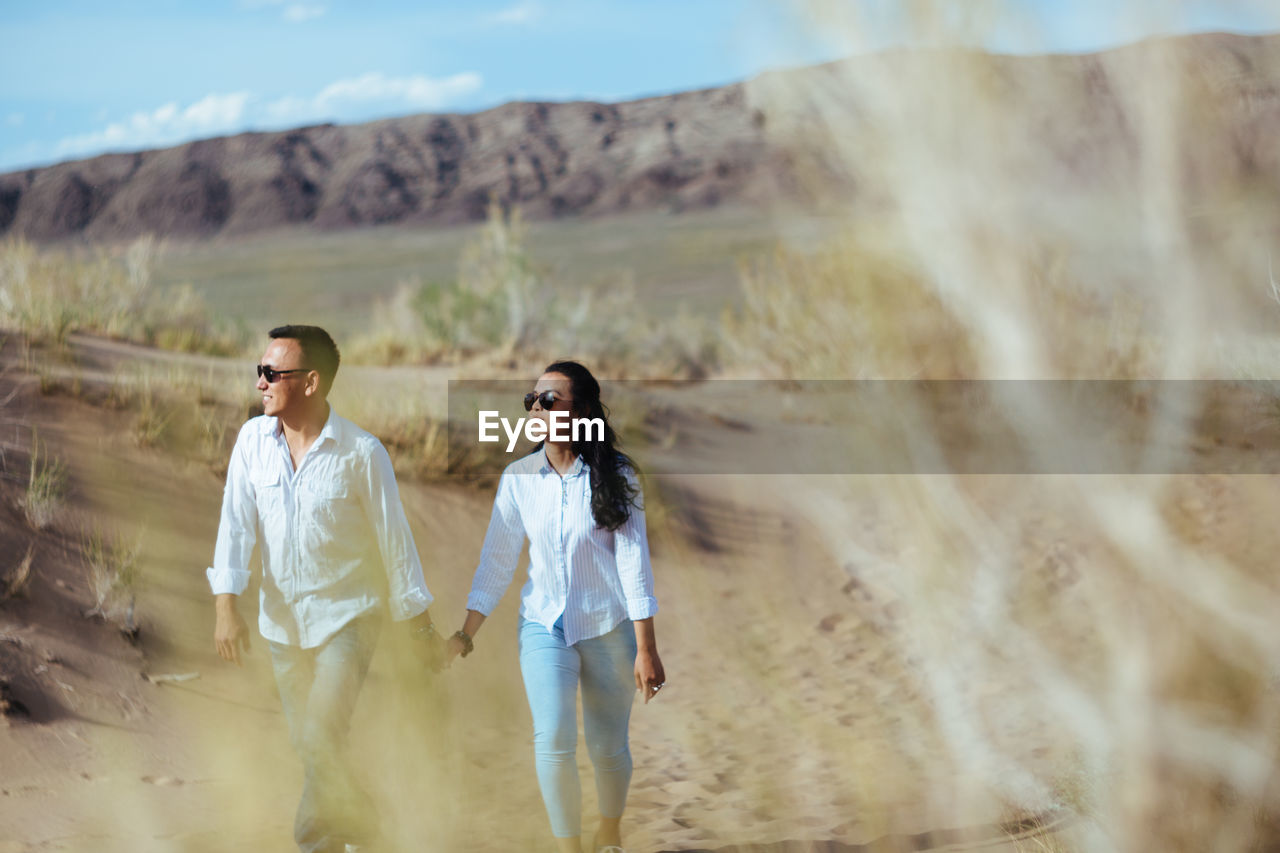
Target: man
{"x":319,"y":496}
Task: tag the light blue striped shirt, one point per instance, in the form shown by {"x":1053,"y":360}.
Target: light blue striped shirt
{"x":594,"y":577}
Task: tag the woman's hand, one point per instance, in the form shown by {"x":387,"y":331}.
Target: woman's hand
{"x":452,"y":648}
{"x":456,"y":645}
{"x":650,"y":676}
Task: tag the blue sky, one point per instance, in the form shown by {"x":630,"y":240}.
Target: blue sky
{"x":79,"y":78}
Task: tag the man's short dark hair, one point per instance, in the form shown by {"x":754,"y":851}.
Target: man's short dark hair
{"x":319,"y":352}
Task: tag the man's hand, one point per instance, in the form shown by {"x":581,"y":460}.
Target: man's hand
{"x":428,"y":648}
{"x":230,"y":633}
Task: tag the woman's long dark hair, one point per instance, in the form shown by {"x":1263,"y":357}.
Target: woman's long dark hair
{"x":612,"y":496}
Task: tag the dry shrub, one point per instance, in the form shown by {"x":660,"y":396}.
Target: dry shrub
{"x":1102,"y":645}
{"x":46,"y":486}
{"x":503,"y":306}
{"x":113,"y":570}
{"x":46,"y":294}
{"x":20,"y":576}
{"x":848,"y":310}
{"x":861,"y":308}
{"x":424,"y":445}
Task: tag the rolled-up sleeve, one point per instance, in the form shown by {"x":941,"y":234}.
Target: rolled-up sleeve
{"x":631,"y":550}
{"x":237,"y":527}
{"x":501,"y":551}
{"x":407,"y":589}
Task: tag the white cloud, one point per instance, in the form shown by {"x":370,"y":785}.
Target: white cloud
{"x":415,"y":91}
{"x":216,"y":111}
{"x":298,"y":12}
{"x":166,"y":125}
{"x":354,"y":96}
{"x":525,"y":12}
{"x":287,"y":109}
{"x":349,"y":99}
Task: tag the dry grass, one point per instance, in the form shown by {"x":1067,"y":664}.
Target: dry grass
{"x":46,"y":294}
{"x":1102,"y":645}
{"x":212,"y":436}
{"x":846,"y":311}
{"x":194,"y":412}
{"x":503,"y":306}
{"x":1071,"y":652}
{"x":151,"y":423}
{"x":46,"y":486}
{"x":424,"y":445}
{"x":112,"y":570}
{"x":863,"y":306}
{"x":20,"y":576}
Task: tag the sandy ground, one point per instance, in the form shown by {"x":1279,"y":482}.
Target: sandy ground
{"x":791,"y":720}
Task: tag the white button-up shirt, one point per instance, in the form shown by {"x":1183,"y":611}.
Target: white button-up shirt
{"x":594,"y":577}
{"x":334,"y":538}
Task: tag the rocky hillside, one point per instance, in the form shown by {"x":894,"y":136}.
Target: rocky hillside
{"x":691,"y":149}
{"x":740,"y":143}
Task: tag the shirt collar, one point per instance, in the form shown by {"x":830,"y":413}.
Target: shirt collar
{"x":545,"y":468}
{"x":332,"y":428}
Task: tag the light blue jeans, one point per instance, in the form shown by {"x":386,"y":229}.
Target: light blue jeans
{"x":605,"y":667}
{"x":318,"y":688}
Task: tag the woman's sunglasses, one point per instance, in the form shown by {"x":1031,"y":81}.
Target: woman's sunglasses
{"x":272,"y":375}
{"x":546,"y":398}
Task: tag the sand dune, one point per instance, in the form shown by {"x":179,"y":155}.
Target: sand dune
{"x":782,"y":728}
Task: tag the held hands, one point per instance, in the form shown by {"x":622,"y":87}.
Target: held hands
{"x":650,"y":676}
{"x":452,"y":648}
{"x":429,"y":649}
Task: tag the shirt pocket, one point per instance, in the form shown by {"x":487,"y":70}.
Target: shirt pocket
{"x":268,"y":491}
{"x":322,"y":505}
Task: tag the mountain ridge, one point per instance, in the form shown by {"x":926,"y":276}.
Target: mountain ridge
{"x":689,"y":150}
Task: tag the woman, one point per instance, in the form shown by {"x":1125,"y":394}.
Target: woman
{"x":586,"y":613}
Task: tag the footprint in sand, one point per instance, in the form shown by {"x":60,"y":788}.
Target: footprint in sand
{"x":722,"y":784}
{"x":163,"y":781}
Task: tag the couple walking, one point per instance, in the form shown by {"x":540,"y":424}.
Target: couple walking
{"x":318,"y":495}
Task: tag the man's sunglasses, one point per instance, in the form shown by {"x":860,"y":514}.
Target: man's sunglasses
{"x":272,"y":375}
{"x":546,"y":398}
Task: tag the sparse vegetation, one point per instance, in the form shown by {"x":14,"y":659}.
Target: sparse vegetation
{"x":46,"y":294}
{"x":153,"y":417}
{"x":504,"y":305}
{"x":850,"y":310}
{"x":499,"y":302}
{"x":46,"y":486}
{"x":20,"y":576}
{"x":211,"y":436}
{"x":112,"y":570}
{"x":860,"y":308}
